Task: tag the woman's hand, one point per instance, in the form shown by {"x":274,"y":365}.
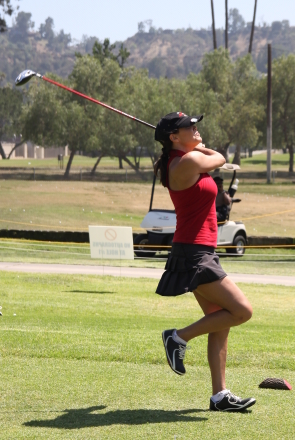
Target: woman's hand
{"x":200,"y":147}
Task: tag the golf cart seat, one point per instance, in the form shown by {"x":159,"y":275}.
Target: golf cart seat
{"x":223,"y":212}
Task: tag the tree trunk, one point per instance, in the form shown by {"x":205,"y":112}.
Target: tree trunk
{"x":67,"y":172}
{"x":291,"y":159}
{"x":14,"y":148}
{"x":125,"y":158}
{"x":2,"y":152}
{"x":120,"y":162}
{"x":137,"y":158}
{"x":213,"y":26}
{"x":253,"y":26}
{"x":154,"y":157}
{"x":224,"y":151}
{"x":226,"y":25}
{"x":95,"y":166}
{"x":237,"y":156}
{"x":250,"y":152}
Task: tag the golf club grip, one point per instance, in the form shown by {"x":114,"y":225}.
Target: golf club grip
{"x":98,"y":102}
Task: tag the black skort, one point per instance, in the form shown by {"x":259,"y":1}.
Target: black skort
{"x":188,"y":266}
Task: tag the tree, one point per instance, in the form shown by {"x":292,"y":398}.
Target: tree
{"x":63,"y":39}
{"x":7,"y":9}
{"x":87,"y":77}
{"x":10,"y":110}
{"x":141,"y":27}
{"x":46,"y":30}
{"x":283,"y":94}
{"x":228,"y":97}
{"x":105,"y":51}
{"x":20,"y":30}
{"x":24,"y":22}
{"x":143,"y":90}
{"x":123,"y":56}
{"x":43,"y":114}
{"x":236,"y":21}
{"x":51,"y":117}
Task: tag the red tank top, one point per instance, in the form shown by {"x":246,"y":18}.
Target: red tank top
{"x":195,"y":209}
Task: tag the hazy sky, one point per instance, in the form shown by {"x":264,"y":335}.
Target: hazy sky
{"x":118,"y":19}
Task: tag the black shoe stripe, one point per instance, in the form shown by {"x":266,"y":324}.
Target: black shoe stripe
{"x":168,"y":359}
{"x":238,"y":408}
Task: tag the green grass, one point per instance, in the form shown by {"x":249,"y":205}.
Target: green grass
{"x":281,"y":189}
{"x":78,"y":162}
{"x":275,"y":261}
{"x":279,"y":162}
{"x":82,"y":358}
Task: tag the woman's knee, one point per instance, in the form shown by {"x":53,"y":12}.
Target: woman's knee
{"x":243,"y":314}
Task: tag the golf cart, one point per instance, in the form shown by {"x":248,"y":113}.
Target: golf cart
{"x":160,"y":226}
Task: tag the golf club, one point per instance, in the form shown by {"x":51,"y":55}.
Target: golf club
{"x":26,"y":75}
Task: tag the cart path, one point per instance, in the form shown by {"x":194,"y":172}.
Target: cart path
{"x":133,"y":272}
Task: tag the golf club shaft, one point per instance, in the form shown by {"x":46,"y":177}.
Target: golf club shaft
{"x":97,"y":102}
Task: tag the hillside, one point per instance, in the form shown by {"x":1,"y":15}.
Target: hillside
{"x":170,"y":53}
{"x":177,"y":53}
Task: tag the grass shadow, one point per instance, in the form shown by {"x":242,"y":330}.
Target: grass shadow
{"x":88,"y":417}
{"x":88,"y":291}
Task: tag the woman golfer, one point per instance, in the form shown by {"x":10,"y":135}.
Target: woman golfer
{"x":193,"y":265}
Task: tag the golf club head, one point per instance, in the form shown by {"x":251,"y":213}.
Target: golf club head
{"x":24,"y":77}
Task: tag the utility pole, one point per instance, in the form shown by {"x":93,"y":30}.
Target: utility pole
{"x":269,"y":116}
{"x":252,"y":30}
{"x":226,"y":25}
{"x":213,"y":26}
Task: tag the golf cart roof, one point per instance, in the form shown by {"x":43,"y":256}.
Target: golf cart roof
{"x":230,"y":167}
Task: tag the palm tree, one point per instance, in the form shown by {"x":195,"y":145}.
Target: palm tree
{"x":252,"y":30}
{"x":226,"y":25}
{"x":213,"y":26}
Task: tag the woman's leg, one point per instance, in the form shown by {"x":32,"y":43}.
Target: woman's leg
{"x":235,"y":309}
{"x":217,"y":347}
{"x":225,"y":306}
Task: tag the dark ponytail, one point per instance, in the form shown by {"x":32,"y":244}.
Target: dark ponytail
{"x":162,"y":162}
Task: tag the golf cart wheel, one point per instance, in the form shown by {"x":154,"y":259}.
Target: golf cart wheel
{"x":141,"y":250}
{"x":240,"y":243}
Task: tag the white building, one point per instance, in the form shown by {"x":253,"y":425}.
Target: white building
{"x":29,"y":150}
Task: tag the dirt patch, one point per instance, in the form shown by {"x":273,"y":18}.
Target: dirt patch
{"x":266,"y":214}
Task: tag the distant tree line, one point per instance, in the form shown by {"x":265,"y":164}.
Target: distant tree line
{"x":176,"y":53}
{"x":230,"y":94}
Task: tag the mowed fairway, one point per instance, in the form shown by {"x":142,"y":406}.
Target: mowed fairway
{"x":265,"y":209}
{"x":82,"y":358}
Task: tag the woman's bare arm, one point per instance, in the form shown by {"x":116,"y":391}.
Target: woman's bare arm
{"x":184,"y":172}
{"x":200,"y":160}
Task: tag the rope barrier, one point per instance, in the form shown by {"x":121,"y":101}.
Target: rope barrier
{"x":87,"y":245}
{"x":41,"y":250}
{"x":221,"y":247}
{"x":47,"y":243}
{"x":267,"y":215}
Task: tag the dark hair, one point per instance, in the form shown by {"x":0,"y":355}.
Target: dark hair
{"x":162,"y":162}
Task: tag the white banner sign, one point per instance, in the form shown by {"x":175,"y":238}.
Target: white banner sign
{"x":111,"y":242}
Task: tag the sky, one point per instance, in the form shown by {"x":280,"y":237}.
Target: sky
{"x":118,"y":19}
